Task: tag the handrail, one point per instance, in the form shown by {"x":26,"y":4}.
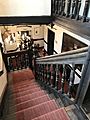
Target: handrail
{"x":15,"y":52}
{"x":18,"y":59}
{"x":74,"y":56}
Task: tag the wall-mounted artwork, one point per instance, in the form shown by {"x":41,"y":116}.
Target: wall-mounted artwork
{"x":36,"y":31}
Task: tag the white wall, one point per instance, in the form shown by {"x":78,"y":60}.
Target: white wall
{"x":3,"y":83}
{"x":3,"y":77}
{"x":59,"y":37}
{"x":25,"y":7}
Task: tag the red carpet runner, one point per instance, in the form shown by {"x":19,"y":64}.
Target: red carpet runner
{"x":30,"y":101}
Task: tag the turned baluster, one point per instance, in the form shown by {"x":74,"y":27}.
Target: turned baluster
{"x":59,"y":7}
{"x":54,"y":75}
{"x":60,"y":2}
{"x":38,"y":78}
{"x":78,"y":9}
{"x":86,"y":9}
{"x":16,"y":60}
{"x":51,"y":78}
{"x":25,"y":60}
{"x":56,"y":7}
{"x":59,"y":76}
{"x":43,"y":77}
{"x":48,"y":74}
{"x":62,"y":8}
{"x":9,"y":67}
{"x":45,"y":73}
{"x":21,"y":61}
{"x":36,"y":74}
{"x":75,"y":12}
{"x":40,"y":72}
{"x":73,"y":6}
{"x":53,"y":6}
{"x":63,"y":79}
{"x":71,"y":82}
{"x":68,"y":8}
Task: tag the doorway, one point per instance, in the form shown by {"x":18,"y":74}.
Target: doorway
{"x":50,"y":42}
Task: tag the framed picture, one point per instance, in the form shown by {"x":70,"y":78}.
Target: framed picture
{"x":36,"y":31}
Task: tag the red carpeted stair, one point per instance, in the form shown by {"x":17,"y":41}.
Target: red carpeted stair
{"x":30,"y":102}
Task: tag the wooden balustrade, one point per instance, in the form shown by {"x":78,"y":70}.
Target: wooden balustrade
{"x":58,"y":76}
{"x":18,"y":60}
{"x":70,"y":8}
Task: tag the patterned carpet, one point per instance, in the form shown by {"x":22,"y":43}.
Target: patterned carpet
{"x":26,"y":100}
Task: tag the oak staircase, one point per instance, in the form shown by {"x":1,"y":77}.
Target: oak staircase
{"x":26,"y":100}
{"x":48,"y":94}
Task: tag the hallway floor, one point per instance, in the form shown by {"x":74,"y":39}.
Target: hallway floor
{"x":26,"y":100}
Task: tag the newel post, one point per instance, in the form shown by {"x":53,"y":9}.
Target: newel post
{"x":85,"y":81}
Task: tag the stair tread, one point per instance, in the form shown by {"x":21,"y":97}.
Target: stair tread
{"x":30,"y":113}
{"x":25,"y":88}
{"x":24,"y":85}
{"x":29,"y":96}
{"x":23,"y":82}
{"x":59,"y":114}
{"x":18,"y":90}
{"x":30,"y":91}
{"x":30,"y":103}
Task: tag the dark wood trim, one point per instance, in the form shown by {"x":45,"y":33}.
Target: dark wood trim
{"x":77,"y":27}
{"x":37,"y":39}
{"x":1,"y":72}
{"x":26,"y":20}
{"x":45,"y":42}
{"x":13,"y":50}
{"x":40,"y":48}
{"x":53,"y":50}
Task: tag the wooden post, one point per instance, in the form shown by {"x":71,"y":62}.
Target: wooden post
{"x":62,"y":8}
{"x":71,"y":82}
{"x":68,"y":8}
{"x":54,"y":75}
{"x":74,"y":9}
{"x":85,"y":81}
{"x":63,"y":78}
{"x":78,"y":9}
{"x":48,"y":74}
{"x":86,"y":9}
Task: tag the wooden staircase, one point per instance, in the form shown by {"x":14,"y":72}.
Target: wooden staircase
{"x":26,"y":100}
